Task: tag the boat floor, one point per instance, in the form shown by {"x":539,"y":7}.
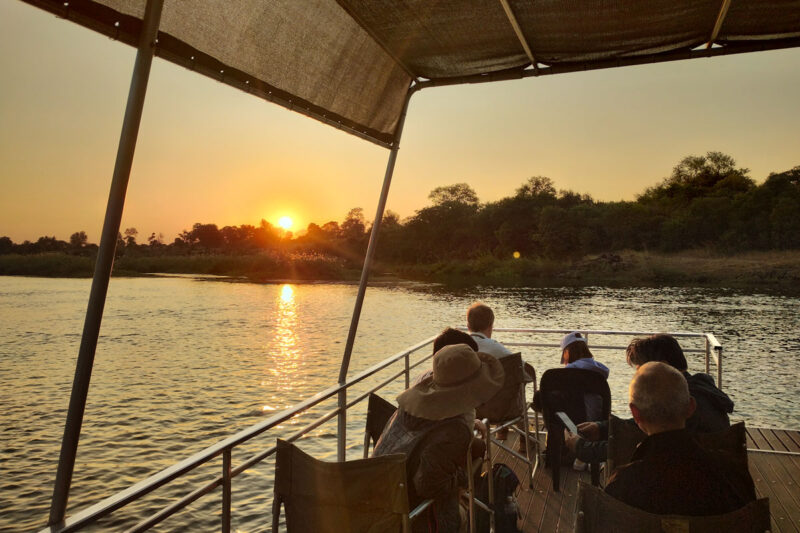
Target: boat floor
{"x":774,"y":460}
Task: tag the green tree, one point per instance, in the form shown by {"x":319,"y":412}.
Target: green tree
{"x":78,"y":239}
{"x":537,"y":187}
{"x":458,"y":193}
{"x":130,"y":236}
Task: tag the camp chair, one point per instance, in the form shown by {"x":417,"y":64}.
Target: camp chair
{"x":599,"y":512}
{"x":379,"y":411}
{"x":361,"y":496}
{"x":564,"y":389}
{"x":508,"y":408}
{"x":623,"y":437}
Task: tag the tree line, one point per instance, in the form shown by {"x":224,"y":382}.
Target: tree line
{"x":707,"y":201}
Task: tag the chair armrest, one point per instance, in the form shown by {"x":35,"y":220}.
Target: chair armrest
{"x":419,"y":509}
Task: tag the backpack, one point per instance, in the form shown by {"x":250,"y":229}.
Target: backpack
{"x":505,"y":505}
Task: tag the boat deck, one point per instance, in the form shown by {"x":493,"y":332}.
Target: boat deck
{"x":774,"y":459}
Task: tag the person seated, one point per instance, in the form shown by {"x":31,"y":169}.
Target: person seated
{"x":480,"y":321}
{"x":670,"y":473}
{"x":713,"y":405}
{"x":448,"y":337}
{"x":710,"y":415}
{"x":575,"y":353}
{"x":433,"y":427}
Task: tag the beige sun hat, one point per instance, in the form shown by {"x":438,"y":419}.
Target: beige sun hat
{"x":461,"y":380}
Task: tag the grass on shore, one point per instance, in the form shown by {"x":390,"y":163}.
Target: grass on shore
{"x":699,"y":268}
{"x":779,"y":270}
{"x":257,"y":267}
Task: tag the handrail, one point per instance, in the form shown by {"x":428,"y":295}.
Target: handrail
{"x":90,"y":515}
{"x":144,"y":487}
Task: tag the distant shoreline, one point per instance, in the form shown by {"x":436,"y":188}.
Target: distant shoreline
{"x":771,"y":270}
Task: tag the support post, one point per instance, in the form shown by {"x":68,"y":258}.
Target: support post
{"x":226,"y":490}
{"x":362,"y":285}
{"x":105,"y":259}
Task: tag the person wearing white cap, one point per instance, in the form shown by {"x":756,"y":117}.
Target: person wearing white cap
{"x":433,"y":427}
{"x":575,"y":354}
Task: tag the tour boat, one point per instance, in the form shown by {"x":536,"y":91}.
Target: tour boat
{"x":355,"y":65}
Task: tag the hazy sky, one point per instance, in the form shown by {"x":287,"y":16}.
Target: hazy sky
{"x":209,"y":153}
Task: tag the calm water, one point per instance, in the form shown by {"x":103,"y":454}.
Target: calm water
{"x":183,"y":363}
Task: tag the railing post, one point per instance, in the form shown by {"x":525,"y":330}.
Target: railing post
{"x":226,"y":490}
{"x":408,"y":370}
{"x":708,"y":356}
{"x":362,"y":285}
{"x":341,"y":434}
{"x":105,"y":260}
{"x":719,"y":367}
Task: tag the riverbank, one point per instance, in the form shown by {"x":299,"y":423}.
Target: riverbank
{"x":773,"y":270}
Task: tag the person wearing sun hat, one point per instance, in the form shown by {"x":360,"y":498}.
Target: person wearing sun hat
{"x":433,"y":428}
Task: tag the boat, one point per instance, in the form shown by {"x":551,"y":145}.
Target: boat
{"x":359,"y":75}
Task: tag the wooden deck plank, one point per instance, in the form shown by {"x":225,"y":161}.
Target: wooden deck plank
{"x":791,"y":439}
{"x":784,"y":502}
{"x":751,"y":444}
{"x":766,"y":488}
{"x":760,"y":443}
{"x":774,"y":440}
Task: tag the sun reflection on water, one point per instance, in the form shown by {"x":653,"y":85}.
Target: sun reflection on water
{"x":284,"y":348}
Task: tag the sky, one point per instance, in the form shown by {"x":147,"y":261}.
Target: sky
{"x":209,"y":153}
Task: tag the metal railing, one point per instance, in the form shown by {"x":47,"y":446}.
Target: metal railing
{"x":712,"y":350}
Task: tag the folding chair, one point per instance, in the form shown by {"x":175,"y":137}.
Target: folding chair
{"x":566,"y":389}
{"x":361,"y":496}
{"x":599,"y":512}
{"x":509,"y":409}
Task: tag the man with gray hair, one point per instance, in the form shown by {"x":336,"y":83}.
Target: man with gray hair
{"x":669,"y":472}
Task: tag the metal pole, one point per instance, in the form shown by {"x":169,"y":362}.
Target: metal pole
{"x":105,"y":259}
{"x":226,"y":490}
{"x":362,"y":286}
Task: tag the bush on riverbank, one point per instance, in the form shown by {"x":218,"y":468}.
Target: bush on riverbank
{"x":700,"y":268}
{"x":51,"y":265}
{"x":257,"y":267}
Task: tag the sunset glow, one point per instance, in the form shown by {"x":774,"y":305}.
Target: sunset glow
{"x":285,"y":222}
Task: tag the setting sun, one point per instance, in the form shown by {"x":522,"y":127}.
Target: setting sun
{"x":285,"y":222}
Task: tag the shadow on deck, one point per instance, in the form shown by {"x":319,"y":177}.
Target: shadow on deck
{"x":774,"y":459}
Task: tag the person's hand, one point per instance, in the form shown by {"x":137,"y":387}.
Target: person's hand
{"x":589,"y":430}
{"x":571,"y":440}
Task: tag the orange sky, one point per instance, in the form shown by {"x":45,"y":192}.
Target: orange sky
{"x":208,"y":153}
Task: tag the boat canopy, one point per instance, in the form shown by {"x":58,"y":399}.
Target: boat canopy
{"x":351,"y":63}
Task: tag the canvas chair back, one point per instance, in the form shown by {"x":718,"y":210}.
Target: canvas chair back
{"x":599,"y":512}
{"x":509,"y":401}
{"x":566,"y":389}
{"x":379,"y":411}
{"x":361,"y":496}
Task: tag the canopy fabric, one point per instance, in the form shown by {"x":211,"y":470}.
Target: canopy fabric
{"x":350,"y":63}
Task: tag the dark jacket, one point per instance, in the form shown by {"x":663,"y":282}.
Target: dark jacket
{"x":436,"y":453}
{"x":671,"y":474}
{"x":711,"y":416}
{"x":713,"y":405}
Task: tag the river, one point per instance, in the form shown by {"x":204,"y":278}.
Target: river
{"x":182,"y":363}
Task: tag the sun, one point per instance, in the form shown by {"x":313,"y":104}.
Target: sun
{"x":285,"y":222}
